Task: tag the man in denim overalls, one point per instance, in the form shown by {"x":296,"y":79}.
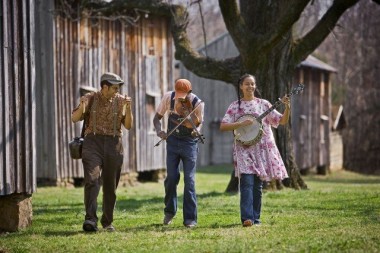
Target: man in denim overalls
{"x":181,"y":145}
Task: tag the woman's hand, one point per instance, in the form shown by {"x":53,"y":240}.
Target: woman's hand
{"x":286,"y":101}
{"x":244,"y":123}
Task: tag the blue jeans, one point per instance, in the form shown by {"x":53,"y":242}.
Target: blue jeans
{"x":183,"y":149}
{"x":250,"y":197}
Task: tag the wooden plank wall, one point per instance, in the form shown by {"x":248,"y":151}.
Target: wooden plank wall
{"x":311,"y":119}
{"x":45,"y":131}
{"x":17,"y":99}
{"x":156,"y":76}
{"x":83,"y":50}
{"x":217,"y":96}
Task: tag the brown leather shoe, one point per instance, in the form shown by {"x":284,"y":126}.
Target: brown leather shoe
{"x":247,"y":223}
{"x":89,"y":226}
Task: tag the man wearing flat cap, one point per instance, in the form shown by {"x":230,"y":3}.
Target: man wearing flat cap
{"x":181,"y":145}
{"x":103,"y":113}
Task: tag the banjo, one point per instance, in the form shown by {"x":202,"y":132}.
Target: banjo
{"x":251,"y":134}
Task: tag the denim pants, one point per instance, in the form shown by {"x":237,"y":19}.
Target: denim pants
{"x":183,"y":149}
{"x":102,"y":158}
{"x":250,"y":197}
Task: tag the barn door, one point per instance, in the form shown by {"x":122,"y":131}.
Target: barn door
{"x":149,"y":157}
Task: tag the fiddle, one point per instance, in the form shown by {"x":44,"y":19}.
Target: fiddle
{"x":200,"y":136}
{"x":184,"y":108}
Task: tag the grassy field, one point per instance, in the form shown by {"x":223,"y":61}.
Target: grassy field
{"x":339,"y":213}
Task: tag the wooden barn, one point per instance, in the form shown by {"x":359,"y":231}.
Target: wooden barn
{"x":17,"y":114}
{"x":310,"y":110}
{"x":311,"y":115}
{"x":71,"y":55}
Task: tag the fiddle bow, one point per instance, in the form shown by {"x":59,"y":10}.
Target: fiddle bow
{"x":199,"y":135}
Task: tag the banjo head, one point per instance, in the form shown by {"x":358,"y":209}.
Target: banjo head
{"x":251,"y":134}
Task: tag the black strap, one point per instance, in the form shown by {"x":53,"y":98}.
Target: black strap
{"x":195,"y":100}
{"x":93,"y":111}
{"x":172,"y":101}
{"x":87,"y":118}
{"x":114,"y":112}
{"x":83,"y":128}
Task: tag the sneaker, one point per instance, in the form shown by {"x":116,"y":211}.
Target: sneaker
{"x":90,"y":226}
{"x":109,"y":228}
{"x":168,"y":219}
{"x":191,"y":225}
{"x":247,"y":223}
{"x":257,"y":223}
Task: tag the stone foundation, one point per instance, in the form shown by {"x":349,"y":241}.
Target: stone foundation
{"x":16,"y":212}
{"x":128,"y":179}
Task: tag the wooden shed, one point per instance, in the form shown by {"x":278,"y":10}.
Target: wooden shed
{"x":310,"y":110}
{"x":311,"y":115}
{"x":71,"y":55}
{"x":17,"y":114}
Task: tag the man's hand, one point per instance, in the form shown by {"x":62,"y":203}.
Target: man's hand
{"x":162,"y":135}
{"x":127,"y":101}
{"x":83,"y":103}
{"x":127,"y":105}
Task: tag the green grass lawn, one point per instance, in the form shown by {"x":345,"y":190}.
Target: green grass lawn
{"x":339,"y":213}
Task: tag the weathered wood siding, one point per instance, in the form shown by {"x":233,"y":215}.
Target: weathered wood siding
{"x":217,"y":96}
{"x":17,"y":98}
{"x":311,"y":119}
{"x":336,"y":153}
{"x":310,"y":112}
{"x":81,"y":51}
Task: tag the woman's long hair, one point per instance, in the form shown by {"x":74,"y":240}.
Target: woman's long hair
{"x":241,"y":80}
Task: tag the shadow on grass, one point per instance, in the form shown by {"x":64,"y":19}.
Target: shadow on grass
{"x":65,"y":233}
{"x":54,"y":210}
{"x":157,"y":227}
{"x":322,"y":179}
{"x":162,"y":228}
{"x":361,"y":206}
{"x":216,"y":169}
{"x":132,"y":204}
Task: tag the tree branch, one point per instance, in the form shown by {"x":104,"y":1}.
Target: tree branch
{"x":200,"y":65}
{"x":234,"y":22}
{"x":284,"y":23}
{"x":306,"y":45}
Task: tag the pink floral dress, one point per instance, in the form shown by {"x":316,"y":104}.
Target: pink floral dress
{"x":263,"y":158}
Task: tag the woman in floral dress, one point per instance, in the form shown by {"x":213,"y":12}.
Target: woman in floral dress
{"x":262,"y":161}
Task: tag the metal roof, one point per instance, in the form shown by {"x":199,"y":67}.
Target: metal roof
{"x":310,"y":61}
{"x":313,"y":62}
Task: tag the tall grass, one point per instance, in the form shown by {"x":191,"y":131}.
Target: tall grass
{"x":339,"y":213}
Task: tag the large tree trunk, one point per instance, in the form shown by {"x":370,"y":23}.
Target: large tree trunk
{"x":272,"y":81}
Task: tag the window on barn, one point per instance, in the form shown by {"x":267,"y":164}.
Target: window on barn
{"x":150,"y":102}
{"x":152,"y":78}
{"x":149,"y":37}
{"x":302,"y":126}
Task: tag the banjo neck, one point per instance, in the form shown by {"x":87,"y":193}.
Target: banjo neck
{"x":295,"y":90}
{"x":274,"y":106}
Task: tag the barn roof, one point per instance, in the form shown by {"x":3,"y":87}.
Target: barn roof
{"x":310,"y":61}
{"x":313,"y":62}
